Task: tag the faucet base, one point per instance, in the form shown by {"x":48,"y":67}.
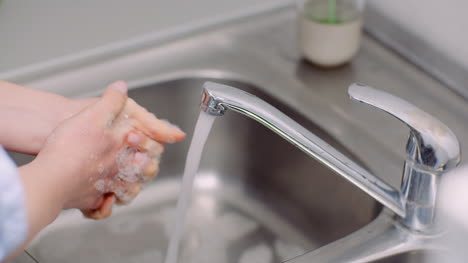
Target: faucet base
{"x":382,"y":238}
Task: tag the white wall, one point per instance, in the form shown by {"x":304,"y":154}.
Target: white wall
{"x":33,"y":32}
{"x":441,"y":25}
{"x":444,"y":23}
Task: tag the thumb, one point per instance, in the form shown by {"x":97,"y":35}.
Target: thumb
{"x":113,"y":100}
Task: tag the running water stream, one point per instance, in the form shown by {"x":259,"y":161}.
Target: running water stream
{"x":202,"y":130}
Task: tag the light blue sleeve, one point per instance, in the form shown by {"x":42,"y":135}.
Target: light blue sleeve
{"x":13,"y":218}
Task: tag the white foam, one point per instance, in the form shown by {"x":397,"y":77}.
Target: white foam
{"x":128,"y":170}
{"x":100,"y":185}
{"x":123,"y":194}
{"x":100,"y":168}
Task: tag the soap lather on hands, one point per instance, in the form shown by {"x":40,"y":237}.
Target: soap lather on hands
{"x":91,"y":153}
{"x":121,"y":151}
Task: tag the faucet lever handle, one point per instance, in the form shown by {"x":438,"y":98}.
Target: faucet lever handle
{"x":431,"y":143}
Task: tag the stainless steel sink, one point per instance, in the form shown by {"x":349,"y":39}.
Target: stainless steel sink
{"x":257,"y":198}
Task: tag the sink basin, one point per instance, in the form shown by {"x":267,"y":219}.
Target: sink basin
{"x":256,"y":199}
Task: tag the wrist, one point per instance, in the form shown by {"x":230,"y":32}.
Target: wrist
{"x":66,"y":108}
{"x":44,"y":200}
{"x":77,"y":105}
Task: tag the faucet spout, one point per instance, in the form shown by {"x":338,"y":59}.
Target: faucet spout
{"x":218,"y":98}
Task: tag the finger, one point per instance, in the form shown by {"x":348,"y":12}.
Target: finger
{"x":90,"y":212}
{"x":130,"y":163}
{"x":150,"y":170}
{"x":113,"y":100}
{"x":138,"y":140}
{"x":98,"y":203}
{"x":106,"y":208}
{"x":159,"y":130}
{"x":104,"y":211}
{"x":148,"y":166}
{"x":125,"y":191}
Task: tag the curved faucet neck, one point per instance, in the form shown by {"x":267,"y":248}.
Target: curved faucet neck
{"x":218,"y":98}
{"x":432,"y":148}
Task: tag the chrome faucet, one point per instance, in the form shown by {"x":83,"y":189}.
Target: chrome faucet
{"x":408,"y":222}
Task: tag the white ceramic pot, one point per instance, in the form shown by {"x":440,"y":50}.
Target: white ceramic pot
{"x":326,"y":43}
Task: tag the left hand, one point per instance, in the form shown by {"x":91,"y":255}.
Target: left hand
{"x":104,"y":153}
{"x":30,"y":115}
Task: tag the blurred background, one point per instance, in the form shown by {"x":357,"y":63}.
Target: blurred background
{"x":430,"y":33}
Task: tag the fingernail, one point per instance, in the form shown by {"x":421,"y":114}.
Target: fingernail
{"x":120,"y":85}
{"x":133,"y":138}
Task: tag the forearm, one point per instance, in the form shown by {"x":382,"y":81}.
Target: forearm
{"x":43,"y":201}
{"x":24,"y":131}
{"x":28,"y":116}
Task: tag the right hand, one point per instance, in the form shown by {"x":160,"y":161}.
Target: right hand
{"x":103,"y":154}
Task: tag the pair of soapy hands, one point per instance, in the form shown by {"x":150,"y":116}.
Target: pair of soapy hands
{"x":111,"y":147}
